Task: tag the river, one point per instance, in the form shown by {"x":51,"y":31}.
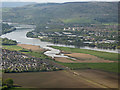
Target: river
{"x":20,"y":36}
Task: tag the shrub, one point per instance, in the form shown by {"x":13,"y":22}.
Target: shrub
{"x":9,"y":82}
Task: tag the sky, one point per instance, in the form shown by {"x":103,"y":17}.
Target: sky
{"x":57,"y":1}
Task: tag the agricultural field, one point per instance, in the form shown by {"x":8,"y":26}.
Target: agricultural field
{"x":82,"y":58}
{"x":110,"y":67}
{"x":70,"y":79}
{"x":104,"y":55}
{"x":12,"y":47}
{"x":31,"y":47}
{"x":40,"y":80}
{"x":79,"y":20}
{"x":107,"y":61}
{"x":75,"y":77}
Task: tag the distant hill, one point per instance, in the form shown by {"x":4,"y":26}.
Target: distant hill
{"x":72,"y":12}
{"x":16,"y":4}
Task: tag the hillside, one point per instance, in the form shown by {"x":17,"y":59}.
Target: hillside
{"x":66,"y":12}
{"x":7,"y":28}
{"x":15,"y":4}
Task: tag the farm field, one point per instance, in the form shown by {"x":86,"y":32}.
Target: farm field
{"x":100,"y":54}
{"x":108,"y":67}
{"x":78,"y":75}
{"x":40,"y":80}
{"x":70,"y":79}
{"x":31,"y":47}
{"x":12,"y":47}
{"x":74,"y":64}
{"x":82,"y":58}
{"x":19,"y":47}
{"x":99,"y":77}
{"x":88,"y":59}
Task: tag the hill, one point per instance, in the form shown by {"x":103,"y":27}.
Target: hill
{"x":7,"y":28}
{"x":16,"y":4}
{"x":63,"y":13}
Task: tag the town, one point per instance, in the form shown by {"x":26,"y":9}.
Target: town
{"x":103,"y":36}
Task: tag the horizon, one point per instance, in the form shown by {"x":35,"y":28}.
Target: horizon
{"x":60,"y":1}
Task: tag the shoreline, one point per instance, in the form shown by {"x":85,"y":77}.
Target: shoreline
{"x":111,"y":50}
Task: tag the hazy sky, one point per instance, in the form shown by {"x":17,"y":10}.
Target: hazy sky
{"x":59,"y":1}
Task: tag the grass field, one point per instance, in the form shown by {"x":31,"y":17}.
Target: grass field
{"x":100,"y":54}
{"x":12,"y":47}
{"x":79,"y":20}
{"x":37,"y":54}
{"x":110,"y":67}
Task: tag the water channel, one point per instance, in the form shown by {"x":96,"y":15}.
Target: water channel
{"x":20,"y":36}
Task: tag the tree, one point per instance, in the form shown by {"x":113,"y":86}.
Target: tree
{"x":9,"y":82}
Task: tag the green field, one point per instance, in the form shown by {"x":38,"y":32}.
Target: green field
{"x":100,"y":54}
{"x":38,"y":55}
{"x":79,"y":20}
{"x":110,"y":67}
{"x":12,"y":47}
